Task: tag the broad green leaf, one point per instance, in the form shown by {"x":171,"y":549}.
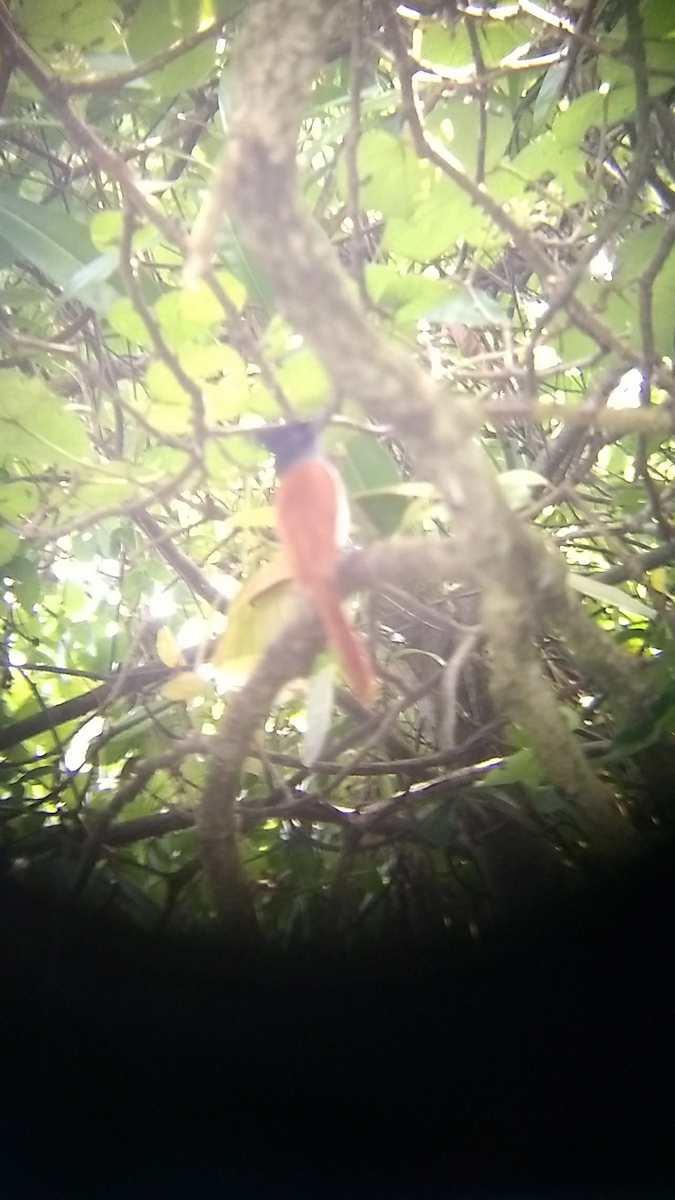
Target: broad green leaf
{"x":659,"y":720}
{"x":36,"y":426}
{"x":86,"y":278}
{"x":154,"y":26}
{"x":125,"y":320}
{"x":500,"y":38}
{"x":458,"y":124}
{"x":214,"y":361}
{"x":44,"y":23}
{"x":465,"y":305}
{"x":439,"y":217}
{"x":171,"y":408}
{"x":548,"y":95}
{"x":105,"y":229}
{"x":548,"y":801}
{"x":407,"y":294}
{"x":443,"y":216}
{"x":633,"y":258}
{"x":105,"y":495}
{"x":229,"y":399}
{"x":658,"y":21}
{"x":369,"y":467}
{"x":186,"y":313}
{"x":304,"y":381}
{"x":157,"y":24}
{"x":190,"y":70}
{"x":548,"y":155}
{"x":521,"y":767}
{"x":591,"y":109}
{"x":436,"y":44}
{"x":224,"y":459}
{"x":606,"y":593}
{"x":391,"y":175}
{"x":54,"y":242}
{"x":18,"y":499}
{"x":167,"y":648}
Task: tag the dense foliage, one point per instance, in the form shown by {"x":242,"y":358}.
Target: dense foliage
{"x":498,"y":186}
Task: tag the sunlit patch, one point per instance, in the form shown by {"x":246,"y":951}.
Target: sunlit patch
{"x":626,"y":394}
{"x":78,"y":749}
{"x":160,"y":605}
{"x":601,"y":265}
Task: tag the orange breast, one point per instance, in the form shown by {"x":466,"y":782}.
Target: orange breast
{"x":307,"y":508}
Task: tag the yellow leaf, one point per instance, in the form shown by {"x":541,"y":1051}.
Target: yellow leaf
{"x":270,"y":575}
{"x":657,"y":579}
{"x":168,"y":649}
{"x":254,"y":617}
{"x":185,"y":686}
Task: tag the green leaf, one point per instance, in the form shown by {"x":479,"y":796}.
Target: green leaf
{"x":549,"y":801}
{"x":26,"y":585}
{"x":304,"y":381}
{"x":659,"y":721}
{"x":633,"y":257}
{"x":606,"y":593}
{"x":190,"y":70}
{"x":125,"y":320}
{"x":86,"y":278}
{"x":440,"y":826}
{"x":465,"y":305}
{"x":390,"y":172}
{"x":73,"y":22}
{"x":442,"y":216}
{"x":155,"y":25}
{"x":54,"y":242}
{"x":18,"y":499}
{"x":188,"y":313}
{"x":152,"y":28}
{"x":592,"y":109}
{"x":171,"y":408}
{"x":548,"y":95}
{"x":437,"y":44}
{"x":458,"y":124}
{"x":548,"y":155}
{"x":9,"y":544}
{"x":407,"y":294}
{"x":370,"y":467}
{"x":91,"y":496}
{"x":521,"y":767}
{"x":36,"y":425}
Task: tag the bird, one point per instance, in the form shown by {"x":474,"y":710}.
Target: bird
{"x":312,"y":518}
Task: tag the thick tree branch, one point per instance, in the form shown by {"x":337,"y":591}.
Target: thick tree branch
{"x":279,"y":53}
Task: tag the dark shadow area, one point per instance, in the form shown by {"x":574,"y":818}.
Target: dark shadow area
{"x":543,"y":1067}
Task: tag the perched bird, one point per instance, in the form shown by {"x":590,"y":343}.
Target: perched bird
{"x":313,"y":522}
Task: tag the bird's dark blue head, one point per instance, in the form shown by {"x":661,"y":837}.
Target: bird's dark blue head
{"x":290,"y":443}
